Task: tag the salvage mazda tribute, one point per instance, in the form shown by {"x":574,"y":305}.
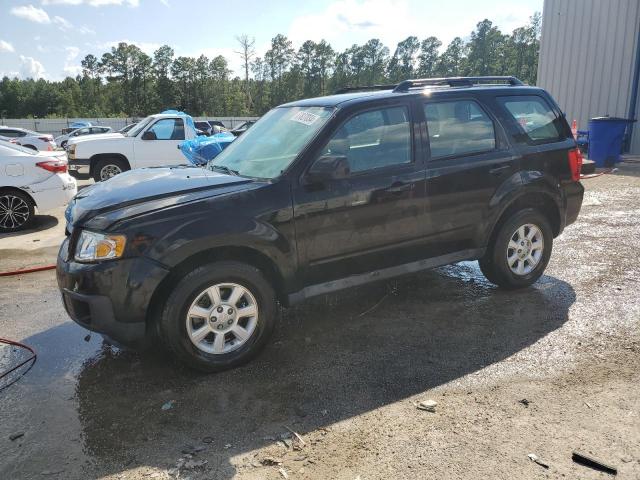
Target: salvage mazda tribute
{"x":320,"y":195}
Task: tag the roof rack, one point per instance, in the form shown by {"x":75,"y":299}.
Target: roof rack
{"x":456,"y":82}
{"x":365,"y":88}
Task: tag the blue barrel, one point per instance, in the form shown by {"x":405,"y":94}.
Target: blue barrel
{"x":606,"y":135}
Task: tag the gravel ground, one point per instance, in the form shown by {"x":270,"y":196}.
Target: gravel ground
{"x":547,"y":370}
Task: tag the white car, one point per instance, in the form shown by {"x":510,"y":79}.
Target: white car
{"x":80,"y":132}
{"x":31,"y":181}
{"x":30,"y":139}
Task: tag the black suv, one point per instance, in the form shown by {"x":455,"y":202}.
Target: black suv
{"x":321,"y":195}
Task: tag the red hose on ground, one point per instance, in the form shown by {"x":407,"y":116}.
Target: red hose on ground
{"x":27,"y":270}
{"x":32,"y":359}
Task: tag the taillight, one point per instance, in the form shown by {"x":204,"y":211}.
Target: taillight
{"x":575,"y":164}
{"x":53,"y":166}
{"x":46,"y":139}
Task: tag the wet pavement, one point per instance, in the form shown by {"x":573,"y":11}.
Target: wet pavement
{"x":88,"y":410}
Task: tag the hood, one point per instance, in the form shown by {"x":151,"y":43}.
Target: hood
{"x":145,"y":189}
{"x":97,"y":136}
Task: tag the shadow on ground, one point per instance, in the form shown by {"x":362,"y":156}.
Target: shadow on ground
{"x":327,"y":362}
{"x":40,"y":223}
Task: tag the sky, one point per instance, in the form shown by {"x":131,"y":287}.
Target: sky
{"x":48,"y":38}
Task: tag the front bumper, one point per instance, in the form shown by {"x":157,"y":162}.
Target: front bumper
{"x":80,"y":168}
{"x":110,"y":297}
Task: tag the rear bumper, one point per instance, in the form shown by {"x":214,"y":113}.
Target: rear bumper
{"x":54,"y":192}
{"x":573,"y":194}
{"x":80,"y":168}
{"x":112,"y":297}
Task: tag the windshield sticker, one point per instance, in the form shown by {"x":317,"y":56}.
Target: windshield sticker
{"x":305,"y":118}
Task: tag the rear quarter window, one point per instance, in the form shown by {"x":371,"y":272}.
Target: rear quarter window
{"x":458,"y":128}
{"x":535,"y":117}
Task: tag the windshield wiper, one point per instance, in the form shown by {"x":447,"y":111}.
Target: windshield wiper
{"x":225,"y":169}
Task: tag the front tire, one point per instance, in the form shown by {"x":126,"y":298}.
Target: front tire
{"x":219,"y":316}
{"x":107,"y":168}
{"x":16,"y":211}
{"x":520,"y":251}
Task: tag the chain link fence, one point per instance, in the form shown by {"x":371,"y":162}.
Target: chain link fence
{"x":55,"y":126}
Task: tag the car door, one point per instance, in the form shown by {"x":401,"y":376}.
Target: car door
{"x":158,"y":143}
{"x":373,"y":218}
{"x":469,"y":159}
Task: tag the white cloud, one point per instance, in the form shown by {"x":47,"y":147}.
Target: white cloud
{"x":86,"y":30}
{"x":72,"y":53}
{"x":31,"y":13}
{"x":72,"y":70}
{"x":62,"y":23}
{"x":93,"y":3}
{"x":31,"y":68}
{"x":390,"y":21}
{"x":6,"y":47}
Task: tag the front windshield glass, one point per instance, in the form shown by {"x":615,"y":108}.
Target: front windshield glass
{"x":269,"y":146}
{"x":136,"y":130}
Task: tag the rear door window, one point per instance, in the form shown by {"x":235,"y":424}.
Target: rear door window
{"x":534,"y":116}
{"x":457,"y":128}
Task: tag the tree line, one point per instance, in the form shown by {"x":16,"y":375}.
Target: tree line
{"x":127,"y":82}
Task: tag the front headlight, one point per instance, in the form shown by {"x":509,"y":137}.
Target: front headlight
{"x":71,"y":151}
{"x":92,"y":246}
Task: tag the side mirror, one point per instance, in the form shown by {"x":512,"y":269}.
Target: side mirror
{"x":328,"y":167}
{"x":149,"y":135}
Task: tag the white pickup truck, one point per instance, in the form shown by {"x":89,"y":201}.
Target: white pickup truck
{"x":153,"y":142}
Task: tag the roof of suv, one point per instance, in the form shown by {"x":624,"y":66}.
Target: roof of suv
{"x":352,"y":98}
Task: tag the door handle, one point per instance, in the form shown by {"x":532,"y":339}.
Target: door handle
{"x":499,"y":170}
{"x":400,"y":187}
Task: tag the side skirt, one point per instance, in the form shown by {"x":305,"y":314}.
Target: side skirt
{"x":384,"y":274}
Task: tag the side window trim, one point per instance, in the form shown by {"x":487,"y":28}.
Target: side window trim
{"x":427,"y":141}
{"x":382,"y":169}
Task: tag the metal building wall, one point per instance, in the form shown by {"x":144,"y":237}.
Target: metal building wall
{"x":587,"y":57}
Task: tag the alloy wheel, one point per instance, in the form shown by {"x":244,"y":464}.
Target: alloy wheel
{"x":222,"y":318}
{"x":109,"y":171}
{"x":525,"y":249}
{"x":14,"y":212}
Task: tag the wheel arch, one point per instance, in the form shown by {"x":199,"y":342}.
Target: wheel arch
{"x":19,"y":190}
{"x":541,"y":201}
{"x":241,"y":254}
{"x":102,"y":156}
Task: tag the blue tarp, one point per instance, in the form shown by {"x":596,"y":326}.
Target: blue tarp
{"x":202,"y":149}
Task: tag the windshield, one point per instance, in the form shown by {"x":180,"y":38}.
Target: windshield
{"x":269,"y":146}
{"x":138,"y":127}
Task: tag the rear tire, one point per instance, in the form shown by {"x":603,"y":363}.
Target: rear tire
{"x":107,"y":168}
{"x":520,"y":251}
{"x":206,"y":327}
{"x":16,"y":211}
